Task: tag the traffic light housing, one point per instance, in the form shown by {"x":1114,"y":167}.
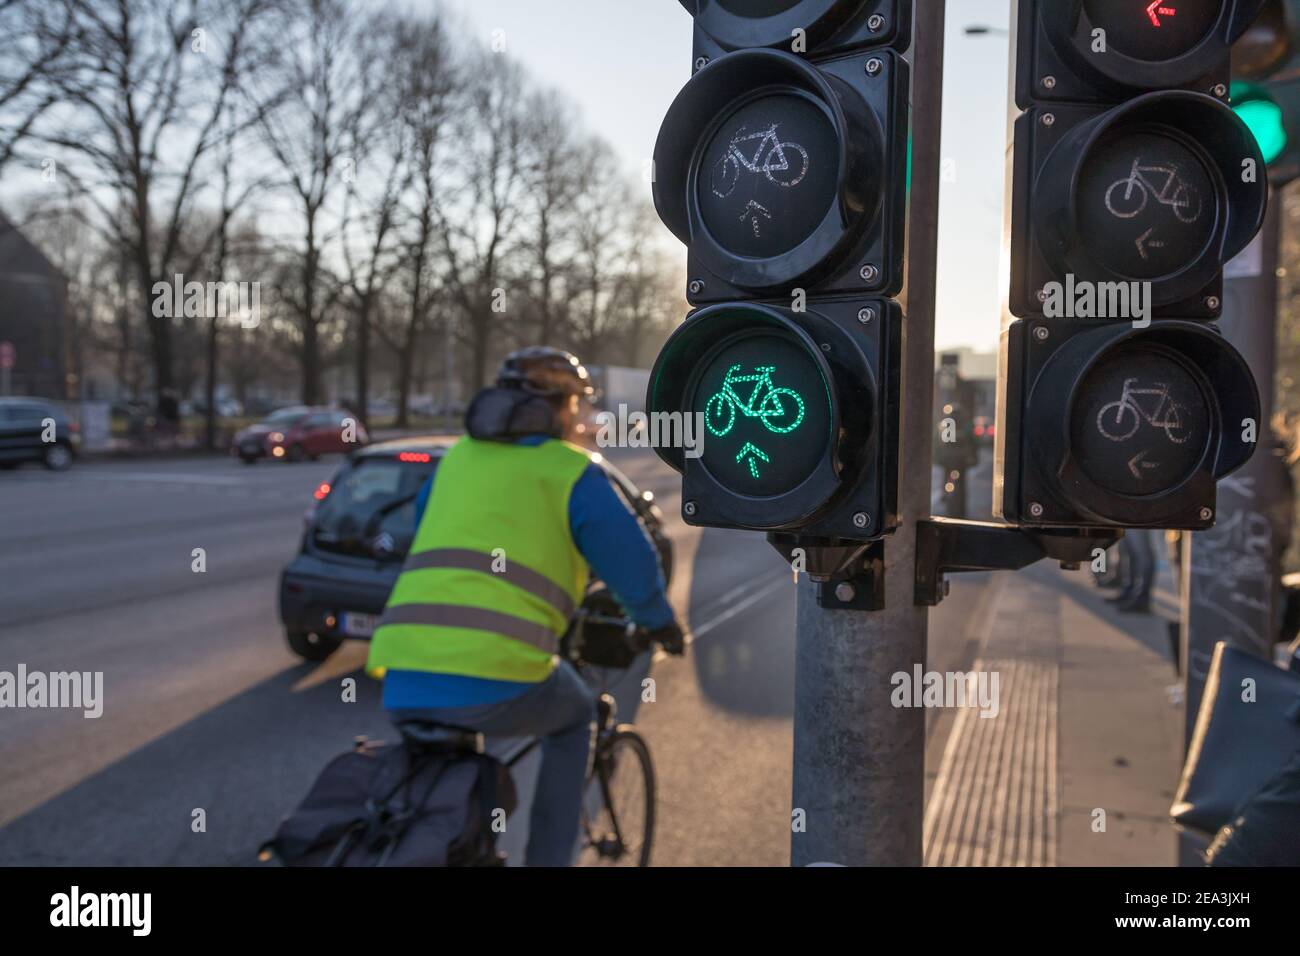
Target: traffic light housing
{"x":1142,"y":45}
{"x":800,"y":415}
{"x":776,"y":174}
{"x":1122,"y":427}
{"x":782,"y":166}
{"x":1132,"y":184}
{"x":816,"y":28}
{"x":1163,"y":189}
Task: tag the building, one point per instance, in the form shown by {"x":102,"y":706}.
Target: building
{"x":33,"y":317}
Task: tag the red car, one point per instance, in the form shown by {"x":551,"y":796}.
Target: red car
{"x":300,"y":432}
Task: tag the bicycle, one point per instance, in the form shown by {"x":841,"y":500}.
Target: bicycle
{"x":1166,"y":415}
{"x":1173,"y":192}
{"x":766,"y":403}
{"x":619,"y":829}
{"x":774,"y":161}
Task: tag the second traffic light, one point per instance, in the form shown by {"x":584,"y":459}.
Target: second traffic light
{"x":779,"y":174}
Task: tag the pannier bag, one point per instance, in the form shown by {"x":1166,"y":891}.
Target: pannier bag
{"x":406,"y":804}
{"x":1238,"y":745}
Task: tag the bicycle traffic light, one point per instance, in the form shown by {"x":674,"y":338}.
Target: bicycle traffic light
{"x":1133,"y":184}
{"x":800,"y":413}
{"x":782,"y":166}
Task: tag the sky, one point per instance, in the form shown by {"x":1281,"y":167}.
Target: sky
{"x":623,"y":62}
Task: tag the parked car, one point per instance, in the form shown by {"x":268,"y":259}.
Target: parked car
{"x":299,"y":432}
{"x":23,"y":434}
{"x":358,"y":534}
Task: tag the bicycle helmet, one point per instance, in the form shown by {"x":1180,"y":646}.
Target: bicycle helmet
{"x":545,"y":372}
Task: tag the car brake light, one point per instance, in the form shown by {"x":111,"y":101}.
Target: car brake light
{"x":415,"y":456}
{"x":322,"y":491}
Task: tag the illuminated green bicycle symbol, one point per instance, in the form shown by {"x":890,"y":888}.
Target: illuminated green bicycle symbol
{"x":781,"y":410}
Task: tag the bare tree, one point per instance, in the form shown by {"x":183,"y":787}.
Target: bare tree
{"x":143,"y":86}
{"x":320,"y":94}
{"x":478,"y":216}
{"x":554,"y":167}
{"x":602,"y":206}
{"x":34,"y":40}
{"x":424,"y":76}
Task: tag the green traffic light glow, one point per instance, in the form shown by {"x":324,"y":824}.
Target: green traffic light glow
{"x":1264,"y":119}
{"x":767,"y":413}
{"x":781,"y":410}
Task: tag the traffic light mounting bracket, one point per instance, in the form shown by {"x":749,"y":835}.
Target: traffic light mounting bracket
{"x":850,"y":575}
{"x":947,"y":545}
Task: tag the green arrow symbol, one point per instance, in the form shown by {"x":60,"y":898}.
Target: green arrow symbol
{"x":753,"y":452}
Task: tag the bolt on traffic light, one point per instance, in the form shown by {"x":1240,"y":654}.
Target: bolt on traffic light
{"x":782,"y":167}
{"x":1133,"y":184}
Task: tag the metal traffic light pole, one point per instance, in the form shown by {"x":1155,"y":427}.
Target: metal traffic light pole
{"x":859,"y":762}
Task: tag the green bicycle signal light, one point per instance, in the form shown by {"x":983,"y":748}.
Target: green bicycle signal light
{"x":800,"y":414}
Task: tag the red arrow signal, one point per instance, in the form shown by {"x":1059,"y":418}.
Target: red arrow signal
{"x":1157,"y":10}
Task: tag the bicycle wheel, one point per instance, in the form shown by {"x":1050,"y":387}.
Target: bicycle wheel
{"x":782,"y":411}
{"x":1131,"y":202}
{"x":720,"y":414}
{"x":621,"y":832}
{"x":1119,"y":431}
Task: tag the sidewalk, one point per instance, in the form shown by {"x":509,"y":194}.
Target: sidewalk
{"x":1078,"y":767}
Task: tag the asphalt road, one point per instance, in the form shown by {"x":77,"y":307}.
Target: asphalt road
{"x":208,"y":718}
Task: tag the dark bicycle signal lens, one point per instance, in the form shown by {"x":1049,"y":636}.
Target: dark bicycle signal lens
{"x":769,"y":176}
{"x":1141,"y":423}
{"x":780,"y":174}
{"x":1146,"y":205}
{"x":766,"y":413}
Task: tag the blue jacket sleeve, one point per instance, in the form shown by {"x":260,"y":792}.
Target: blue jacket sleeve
{"x":609,"y":536}
{"x":422,"y":499}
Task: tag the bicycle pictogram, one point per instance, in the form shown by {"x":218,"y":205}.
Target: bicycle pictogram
{"x":783,"y":164}
{"x":1161,"y":182}
{"x":1160,"y":411}
{"x":781,"y":410}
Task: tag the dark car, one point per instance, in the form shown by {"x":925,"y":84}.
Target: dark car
{"x":358,"y":535}
{"x":35,"y":430}
{"x":300,"y":432}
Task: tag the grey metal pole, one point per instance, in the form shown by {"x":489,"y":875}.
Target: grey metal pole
{"x":859,"y":763}
{"x":1230,"y":572}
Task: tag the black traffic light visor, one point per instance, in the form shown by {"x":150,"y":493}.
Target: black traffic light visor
{"x":1147,"y":46}
{"x":741,"y":24}
{"x":796,"y":151}
{"x":1165,"y":188}
{"x":1167,"y":403}
{"x":771,"y":423}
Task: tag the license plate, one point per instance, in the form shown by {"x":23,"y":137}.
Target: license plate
{"x":252,"y":448}
{"x":358,"y":625}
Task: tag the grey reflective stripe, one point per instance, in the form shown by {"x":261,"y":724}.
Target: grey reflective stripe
{"x":474,"y":618}
{"x":525,"y":578}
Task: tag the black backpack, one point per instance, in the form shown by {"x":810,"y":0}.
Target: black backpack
{"x":408,"y":804}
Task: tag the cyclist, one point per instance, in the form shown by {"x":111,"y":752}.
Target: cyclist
{"x":506,"y":530}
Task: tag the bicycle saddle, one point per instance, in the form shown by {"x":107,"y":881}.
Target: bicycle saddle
{"x":429,"y":735}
